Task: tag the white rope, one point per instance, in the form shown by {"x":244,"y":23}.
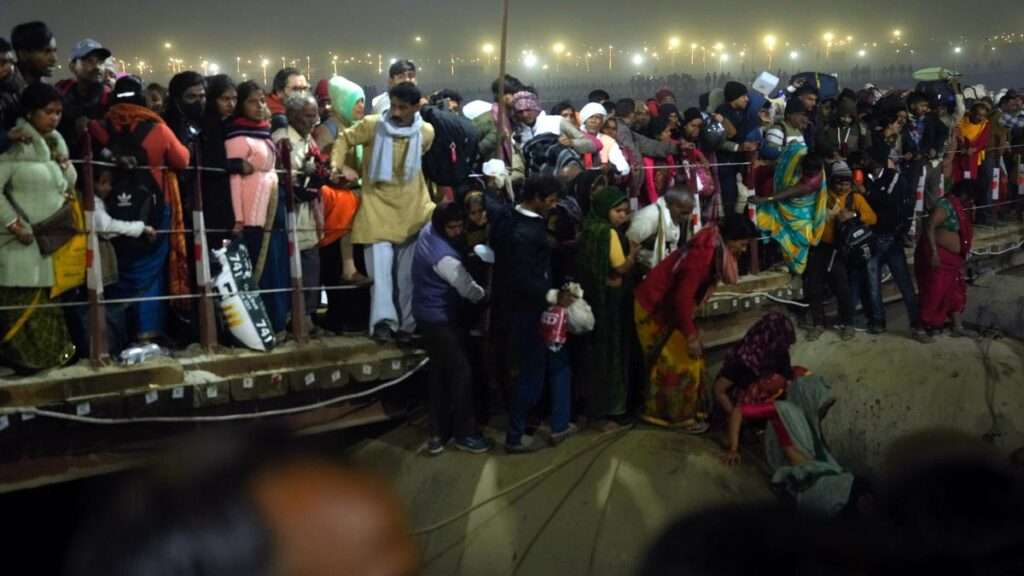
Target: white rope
{"x":1016,"y":246}
{"x":600,"y":440}
{"x":774,"y":298}
{"x":224,"y":418}
{"x":213,"y":295}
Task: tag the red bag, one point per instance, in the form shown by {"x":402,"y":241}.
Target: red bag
{"x":554,"y":327}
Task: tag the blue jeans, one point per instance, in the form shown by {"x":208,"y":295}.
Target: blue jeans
{"x":889,"y":252}
{"x":535,"y":363}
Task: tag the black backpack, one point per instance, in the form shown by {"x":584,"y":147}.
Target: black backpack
{"x":856,"y":239}
{"x":939,"y":93}
{"x":136,"y":195}
{"x":545,"y":155}
{"x":449,"y":162}
{"x":827,"y":84}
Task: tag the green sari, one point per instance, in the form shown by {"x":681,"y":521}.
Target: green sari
{"x":607,"y":394}
{"x":33,"y":338}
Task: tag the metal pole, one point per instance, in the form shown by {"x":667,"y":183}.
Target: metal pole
{"x":298,"y":300}
{"x":201,"y":255}
{"x":99,"y":354}
{"x":501,"y":82}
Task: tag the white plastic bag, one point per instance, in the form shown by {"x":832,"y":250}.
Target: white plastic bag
{"x":580,"y":316}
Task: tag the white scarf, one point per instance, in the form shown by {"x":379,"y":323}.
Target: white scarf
{"x":382,"y":162}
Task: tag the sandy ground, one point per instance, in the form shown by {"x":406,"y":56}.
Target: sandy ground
{"x":888,"y":386}
{"x":597,"y":513}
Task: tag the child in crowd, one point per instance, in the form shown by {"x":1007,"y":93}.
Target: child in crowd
{"x":108,"y":228}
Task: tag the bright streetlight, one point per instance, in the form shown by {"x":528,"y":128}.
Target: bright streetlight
{"x":214,"y":69}
{"x":558,"y":48}
{"x":862,"y":53}
{"x":673,"y":47}
{"x":722,"y":59}
{"x":794,"y":55}
{"x":718,"y":46}
{"x":418,"y":39}
{"x":828,"y":37}
{"x":693,"y":50}
{"x":769,"y":42}
{"x":488,"y":50}
{"x":638,"y":60}
{"x":957,"y":50}
{"x":168,"y":45}
{"x":530,"y":60}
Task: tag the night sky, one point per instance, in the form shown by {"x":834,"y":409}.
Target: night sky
{"x":226,"y":27}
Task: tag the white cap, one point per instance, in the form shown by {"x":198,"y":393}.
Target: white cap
{"x":592,"y":109}
{"x":495,"y":168}
{"x":475,"y":108}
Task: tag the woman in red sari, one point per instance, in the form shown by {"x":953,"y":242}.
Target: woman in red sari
{"x":939,"y":261}
{"x":665,"y":305}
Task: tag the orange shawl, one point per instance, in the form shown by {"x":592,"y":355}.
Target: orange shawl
{"x":178,"y":277}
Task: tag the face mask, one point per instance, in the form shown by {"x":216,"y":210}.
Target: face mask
{"x":193,"y":111}
{"x":9,"y":85}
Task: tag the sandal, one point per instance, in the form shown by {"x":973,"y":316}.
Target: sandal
{"x":356,"y":279}
{"x":961,"y":332}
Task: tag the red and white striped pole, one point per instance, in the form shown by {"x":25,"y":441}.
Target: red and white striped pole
{"x":919,"y":201}
{"x":201,"y":258}
{"x":99,"y":354}
{"x":298,"y":301}
{"x":695,"y":219}
{"x":1020,"y":176}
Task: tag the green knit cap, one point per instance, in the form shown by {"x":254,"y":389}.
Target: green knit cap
{"x":345,"y":94}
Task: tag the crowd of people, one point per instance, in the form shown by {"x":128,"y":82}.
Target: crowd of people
{"x":490,"y":229}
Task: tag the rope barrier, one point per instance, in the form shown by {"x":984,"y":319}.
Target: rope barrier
{"x":224,"y":418}
{"x":4,"y":232}
{"x":216,"y":170}
{"x":170,"y":298}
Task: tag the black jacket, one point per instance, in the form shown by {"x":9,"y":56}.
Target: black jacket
{"x":523,"y":262}
{"x":931,"y":141}
{"x":894,"y":204}
{"x":9,"y":110}
{"x":92,"y":106}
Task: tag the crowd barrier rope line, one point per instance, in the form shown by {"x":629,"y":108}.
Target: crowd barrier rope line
{"x":220,"y":418}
